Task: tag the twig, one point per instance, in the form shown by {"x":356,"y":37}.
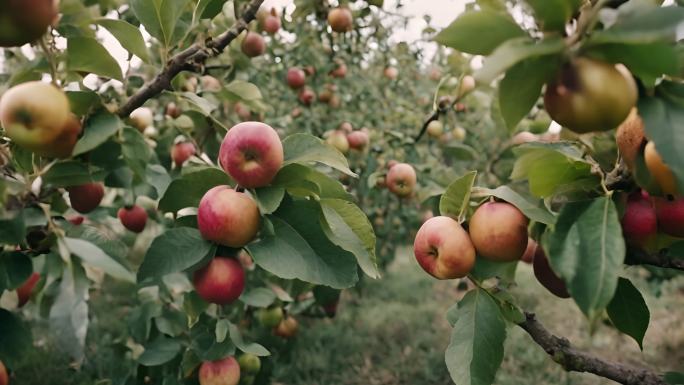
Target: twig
{"x":659,"y":259}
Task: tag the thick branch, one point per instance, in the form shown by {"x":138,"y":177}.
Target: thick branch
{"x":189,"y":59}
{"x":659,"y":259}
{"x":574,"y":360}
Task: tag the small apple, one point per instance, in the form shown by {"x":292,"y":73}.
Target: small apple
{"x":271,"y":24}
{"x":306,"y":96}
{"x":467,"y":85}
{"x":251,"y":153}
{"x":443,"y":249}
{"x":435,"y":74}
{"x":63,"y":145}
{"x":358,"y":140}
{"x":338,"y":139}
{"x":76,"y":220}
{"x":242,"y":111}
{"x":296,"y":78}
{"x":210,"y":84}
{"x":270,"y":317}
{"x":86,"y":197}
{"x":181,"y":152}
{"x":24,"y":291}
{"x":391,"y":73}
{"x":253,"y":45}
{"x":546,"y":276}
{"x":528,"y":256}
{"x":25,"y":21}
{"x":172,"y":110}
{"x":325,"y":96}
{"x":4,"y":377}
{"x":380,"y":182}
{"x":346,"y":127}
{"x":670,"y":213}
{"x":499,"y":232}
{"x":639,"y":221}
{"x":249,"y":363}
{"x":660,"y":171}
{"x":340,"y":70}
{"x":340,"y":19}
{"x":228,"y":217}
{"x":222,"y":372}
{"x":459,"y":133}
{"x":630,"y":138}
{"x":287,"y":328}
{"x":141,"y":118}
{"x":221,"y":281}
{"x":435,"y":128}
{"x":524,"y":137}
{"x":134,"y":218}
{"x":459,"y":107}
{"x":401,"y":179}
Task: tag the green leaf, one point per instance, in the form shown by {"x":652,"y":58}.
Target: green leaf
{"x":476,"y":348}
{"x":157,"y":176}
{"x":98,"y":128}
{"x":658,"y":24}
{"x":674,"y":378}
{"x":109,"y":243}
{"x":454,"y":201}
{"x":460,"y":151}
{"x":69,"y":312}
{"x":135,"y":151}
{"x":69,"y":173}
{"x":243,"y":90}
{"x":250,"y":348}
{"x":514,"y":51}
{"x":551,"y":15}
{"x":479,"y":32}
{"x":305,"y":148}
{"x":128,"y":36}
{"x":159,"y":352}
{"x":628,"y":311}
{"x":94,"y":256}
{"x":173,"y":251}
{"x":587,"y":250}
{"x":160,"y":18}
{"x":82,"y":102}
{"x":646,"y":61}
{"x":190,"y":188}
{"x":88,"y":55}
{"x":15,"y":339}
{"x":258,"y":297}
{"x":303,"y":180}
{"x":485,"y":269}
{"x":208,"y":9}
{"x":536,"y":211}
{"x":222,"y":330}
{"x":12,"y":228}
{"x":199,"y":104}
{"x":15,"y":269}
{"x":268,"y":198}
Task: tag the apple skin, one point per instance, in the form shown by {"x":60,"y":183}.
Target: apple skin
{"x":249,"y":363}
{"x":531,"y":248}
{"x":24,"y":21}
{"x":76,"y":220}
{"x":340,"y":71}
{"x":172,"y":110}
{"x":358,"y":140}
{"x":251,"y":153}
{"x":86,"y":197}
{"x":210,"y":83}
{"x":181,"y":152}
{"x":287,"y":328}
{"x":401,"y":179}
{"x":141,"y":118}
{"x":639,"y":221}
{"x":220,"y":372}
{"x":306,"y":96}
{"x":253,"y":45}
{"x":270,"y":317}
{"x":271,"y":24}
{"x":435,"y":128}
{"x":630,"y":138}
{"x":63,"y":145}
{"x":296,"y":78}
{"x":660,"y":171}
{"x":340,"y":19}
{"x":546,"y":276}
{"x":34,"y":114}
{"x":499,"y":232}
{"x":443,"y":248}
{"x":24,"y":291}
{"x":589,"y":95}
{"x":242,"y":111}
{"x":4,"y":377}
{"x":670,"y":214}
{"x":221,"y":281}
{"x":339,"y":140}
{"x":325,"y":96}
{"x":228,"y":217}
{"x":134,"y":218}
{"x":391,"y":73}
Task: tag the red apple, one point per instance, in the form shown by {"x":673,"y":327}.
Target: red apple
{"x":24,"y":291}
{"x":670,"y":215}
{"x":499,"y":232}
{"x":358,"y":140}
{"x":340,"y":70}
{"x":340,"y":19}
{"x":222,"y":372}
{"x":134,"y":218}
{"x":181,"y":152}
{"x":306,"y":96}
{"x":296,"y":78}
{"x":287,"y":328}
{"x":391,"y":73}
{"x":546,"y":276}
{"x":4,"y":377}
{"x":325,"y":96}
{"x":639,"y":221}
{"x":86,"y":197}
{"x":271,"y":24}
{"x":531,"y":248}
{"x":76,"y":220}
{"x":25,"y":21}
{"x":346,"y":127}
{"x":251,"y":153}
{"x":253,"y":45}
{"x":228,"y":217}
{"x":392,"y":163}
{"x":401,"y":179}
{"x":221,"y":281}
{"x":443,"y":249}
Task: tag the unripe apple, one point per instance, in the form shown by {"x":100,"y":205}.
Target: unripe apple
{"x":287,"y":328}
{"x":435,"y":128}
{"x":24,"y":21}
{"x":249,"y":363}
{"x":340,"y":19}
{"x":639,"y":222}
{"x":24,"y":291}
{"x":63,"y":145}
{"x":358,"y":140}
{"x":141,"y":118}
{"x":172,"y":110}
{"x":296,"y":78}
{"x":660,"y":171}
{"x":443,"y":249}
{"x":589,"y":95}
{"x":466,"y":86}
{"x":670,"y":214}
{"x":221,"y":281}
{"x":271,"y":24}
{"x":401,"y":179}
{"x":251,"y":153}
{"x":391,"y":73}
{"x":86,"y":197}
{"x":134,"y":218}
{"x":253,"y":45}
{"x":33,"y":114}
{"x":546,"y":276}
{"x":306,"y":96}
{"x":528,"y":256}
{"x":228,"y":217}
{"x":630,"y":138}
{"x":222,"y":372}
{"x":499,"y":232}
{"x":181,"y":152}
{"x":459,"y":133}
{"x":524,"y":137}
{"x":270,"y":317}
{"x":338,"y":139}
{"x":340,"y":71}
{"x":4,"y":377}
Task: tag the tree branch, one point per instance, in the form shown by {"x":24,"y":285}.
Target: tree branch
{"x":659,"y":259}
{"x":574,"y":360}
{"x":191,"y":59}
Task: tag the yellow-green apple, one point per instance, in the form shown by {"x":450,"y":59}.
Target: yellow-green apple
{"x":401,"y":179}
{"x":499,"y":232}
{"x":287,"y":328}
{"x":249,"y":363}
{"x":141,"y":118}
{"x":221,"y":281}
{"x":134,"y":218}
{"x":86,"y":197}
{"x":391,"y":73}
{"x":338,"y":139}
{"x":181,"y":152}
{"x":660,"y":171}
{"x":443,"y":248}
{"x":24,"y":291}
{"x":435,"y":128}
{"x":546,"y":276}
{"x":253,"y":45}
{"x":24,"y":21}
{"x":221,"y":372}
{"x":4,"y":377}
{"x":459,"y":133}
{"x":306,"y":96}
{"x":531,"y":248}
{"x":590,"y":95}
{"x":670,"y":213}
{"x":270,"y":317}
{"x":358,"y":140}
{"x":630,"y":138}
{"x":63,"y":145}
{"x":251,"y":153}
{"x":340,"y":19}
{"x":639,"y":221}
{"x":295,"y":77}
{"x":228,"y":217}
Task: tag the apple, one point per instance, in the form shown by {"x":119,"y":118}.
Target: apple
{"x":639,"y":221}
{"x":392,"y":163}
{"x":271,"y":24}
{"x":4,"y":377}
{"x":270,"y":317}
{"x":346,"y":127}
{"x":249,"y":363}
{"x":306,"y":96}
{"x":134,"y":218}
{"x":467,"y":85}
{"x":228,"y":217}
{"x":86,"y":197}
{"x":335,"y":101}
{"x":443,"y":248}
{"x":221,"y":281}
{"x":340,"y":19}
{"x":325,"y":96}
{"x":34,"y":114}
{"x":172,"y":110}
{"x":63,"y":145}
{"x":287,"y":328}
{"x":242,"y":111}
{"x":435,"y":74}
{"x":660,"y":171}
{"x":221,"y":372}
{"x":181,"y":152}
{"x":380,"y":182}
{"x":499,"y":232}
{"x":253,"y":45}
{"x":210,"y":84}
{"x":24,"y":291}
{"x":251,"y":153}
{"x":25,"y":21}
{"x":589,"y":95}
{"x":670,"y":214}
{"x":76,"y":220}
{"x":401,"y":179}
{"x":338,"y":139}
{"x":528,"y":255}
{"x":459,"y":133}
{"x":459,"y":107}
{"x":524,"y":137}
{"x":141,"y":118}
{"x":340,"y":70}
{"x":391,"y":73}
{"x":630,"y":138}
{"x":435,"y":128}
{"x":295,"y":78}
{"x":546,"y":276}
{"x":358,"y":140}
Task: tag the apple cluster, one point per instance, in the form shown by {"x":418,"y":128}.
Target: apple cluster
{"x":345,"y":138}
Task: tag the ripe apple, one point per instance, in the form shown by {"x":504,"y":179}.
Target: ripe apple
{"x":287,"y":328}
{"x":134,"y":218}
{"x":338,"y":139}
{"x":639,"y":222}
{"x":358,"y":140}
{"x":670,"y":214}
{"x":221,"y":281}
{"x":24,"y":291}
{"x":528,"y":256}
{"x":660,"y":171}
{"x":222,"y":372}
{"x":24,"y":21}
{"x":524,"y":137}
{"x":270,"y":317}
{"x":499,"y":232}
{"x":295,"y":77}
{"x":34,"y":114}
{"x":466,"y":86}
{"x":249,"y":363}
{"x":391,"y":73}
{"x":340,"y":71}
{"x":630,"y":138}
{"x":443,"y":249}
{"x":340,"y":19}
{"x":253,"y":45}
{"x":589,"y":95}
{"x":141,"y":118}
{"x":546,"y":276}
{"x":435,"y":128}
{"x":63,"y":145}
{"x":172,"y":110}
{"x":86,"y":197}
{"x":251,"y":153}
{"x":271,"y":24}
{"x":76,"y":220}
{"x":228,"y":217}
{"x":401,"y":179}
{"x":306,"y":96}
{"x":4,"y":377}
{"x":181,"y":152}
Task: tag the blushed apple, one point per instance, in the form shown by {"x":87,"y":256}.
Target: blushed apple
{"x":340,"y":19}
{"x":270,"y":317}
{"x":271,"y":24}
{"x":358,"y":140}
{"x":306,"y":96}
{"x":4,"y":377}
{"x":228,"y":217}
{"x":338,"y":139}
{"x":670,"y":214}
{"x":181,"y":152}
{"x":251,"y":153}
{"x":546,"y":276}
{"x":391,"y":73}
{"x":221,"y":281}
{"x":531,"y":248}
{"x":25,"y":21}
{"x":24,"y":291}
{"x":86,"y":197}
{"x":639,"y":221}
{"x":443,"y":248}
{"x":63,"y":145}
{"x":134,"y":218}
{"x":287,"y":328}
{"x":296,"y":78}
{"x":499,"y":232}
{"x":435,"y":128}
{"x":253,"y":45}
{"x":660,"y":171}
{"x":401,"y":179}
{"x":221,"y":372}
